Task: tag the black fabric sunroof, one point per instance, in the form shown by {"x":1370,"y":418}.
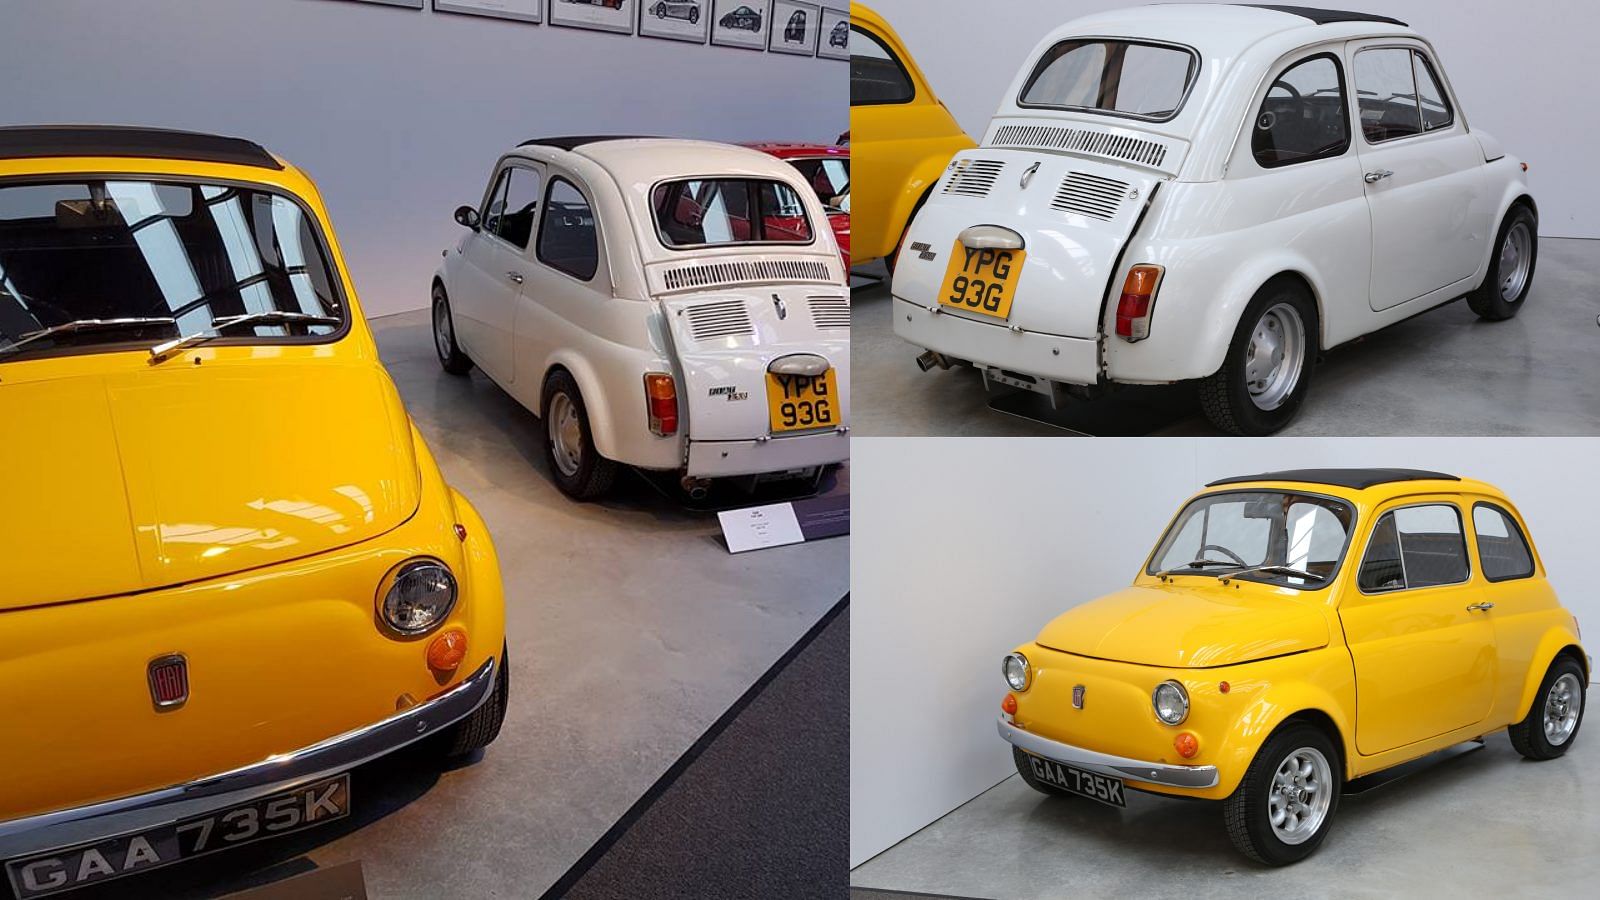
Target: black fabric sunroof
{"x":1326,"y":16}
{"x":574,"y":142}
{"x":1347,"y":478}
{"x":42,"y":141}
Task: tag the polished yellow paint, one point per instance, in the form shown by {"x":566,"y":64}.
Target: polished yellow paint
{"x":236,"y":504}
{"x":1395,"y":676}
{"x":898,"y":151}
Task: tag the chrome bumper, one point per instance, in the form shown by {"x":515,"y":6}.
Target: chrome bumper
{"x":1105,"y":764}
{"x":284,"y":771}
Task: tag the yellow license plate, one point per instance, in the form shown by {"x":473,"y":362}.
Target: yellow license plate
{"x":802,"y":402}
{"x":982,"y":281}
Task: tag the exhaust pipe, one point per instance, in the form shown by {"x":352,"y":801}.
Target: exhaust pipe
{"x":696,"y":488}
{"x":930,"y":359}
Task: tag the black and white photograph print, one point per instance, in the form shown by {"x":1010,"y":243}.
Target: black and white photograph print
{"x":740,"y":23}
{"x":408,"y":4}
{"x":678,"y":20}
{"x":794,"y":28}
{"x":599,"y":15}
{"x":833,"y":36}
{"x":517,"y":10}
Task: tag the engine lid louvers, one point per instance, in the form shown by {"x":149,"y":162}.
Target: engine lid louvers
{"x":1090,"y":195}
{"x":722,"y":274}
{"x":1087,"y":141}
{"x":829,"y":312}
{"x":719,"y":319}
{"x":973,"y":177}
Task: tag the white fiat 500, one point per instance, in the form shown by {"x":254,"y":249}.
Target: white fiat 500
{"x":665,"y":304}
{"x":1212,"y":193}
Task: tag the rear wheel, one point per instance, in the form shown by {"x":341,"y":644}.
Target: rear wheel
{"x":1552,"y":723}
{"x":577,"y":467}
{"x":1025,"y":769}
{"x":1511,"y":270}
{"x":1265,"y":376}
{"x":1286,"y":801}
{"x":480,"y":728}
{"x":444,"y":336}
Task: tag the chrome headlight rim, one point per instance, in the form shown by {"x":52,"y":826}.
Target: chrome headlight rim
{"x":1026,"y":676}
{"x":1183,"y":697}
{"x":392,"y":578}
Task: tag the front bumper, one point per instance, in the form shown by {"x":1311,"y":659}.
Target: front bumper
{"x":723,"y":459}
{"x":285,"y":771}
{"x":1106,"y":764}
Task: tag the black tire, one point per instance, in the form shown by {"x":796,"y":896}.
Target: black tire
{"x":1032,"y":780}
{"x":479,"y":729}
{"x":1246,"y":811}
{"x":593,"y":474}
{"x":1225,"y":396}
{"x":1487,"y":301}
{"x":444,"y":335}
{"x":1528,"y":736}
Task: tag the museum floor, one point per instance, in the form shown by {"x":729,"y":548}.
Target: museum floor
{"x":1442,"y":373}
{"x":631,"y":630}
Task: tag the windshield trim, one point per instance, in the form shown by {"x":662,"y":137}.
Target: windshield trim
{"x":661,"y":235}
{"x":1255,"y":577}
{"x":107,"y":347}
{"x":1195,"y":65}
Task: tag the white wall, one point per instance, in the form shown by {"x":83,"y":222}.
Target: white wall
{"x":397,"y":114}
{"x":1518,"y":70}
{"x":962,"y":548}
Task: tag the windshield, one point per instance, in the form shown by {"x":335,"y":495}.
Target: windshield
{"x":1145,"y":81}
{"x":122,"y":261}
{"x":829,"y":177}
{"x":1301,"y":536}
{"x":726,"y":211}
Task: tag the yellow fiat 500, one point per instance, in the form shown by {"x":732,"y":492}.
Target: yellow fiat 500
{"x":233,"y":570}
{"x":1293,"y":631}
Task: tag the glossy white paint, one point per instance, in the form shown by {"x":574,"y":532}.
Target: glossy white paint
{"x":628,"y":320}
{"x":1220,"y":223}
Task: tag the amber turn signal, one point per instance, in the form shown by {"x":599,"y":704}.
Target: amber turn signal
{"x":446,"y":651}
{"x":1009,"y":704}
{"x":1138,"y":299}
{"x":661,"y":401}
{"x":1186,"y":744}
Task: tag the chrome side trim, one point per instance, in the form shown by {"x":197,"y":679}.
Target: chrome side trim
{"x":1106,"y":764}
{"x":283,"y":771}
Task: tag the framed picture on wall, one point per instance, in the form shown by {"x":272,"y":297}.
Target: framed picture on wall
{"x":520,"y":10}
{"x":677,"y":20}
{"x":794,"y":28}
{"x":408,"y":4}
{"x":833,"y":34}
{"x":740,"y":23}
{"x":598,"y":15}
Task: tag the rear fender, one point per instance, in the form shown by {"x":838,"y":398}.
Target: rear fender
{"x":1555,"y":640}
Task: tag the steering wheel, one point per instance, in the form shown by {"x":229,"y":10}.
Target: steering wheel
{"x":1225,"y":551}
{"x":1294,"y":92}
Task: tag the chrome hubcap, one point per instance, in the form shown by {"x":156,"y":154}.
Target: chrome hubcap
{"x":442,"y":338}
{"x":1561,"y":709}
{"x":1275,"y":357}
{"x":566,"y":435}
{"x":1301,"y":791}
{"x":1516,"y":256}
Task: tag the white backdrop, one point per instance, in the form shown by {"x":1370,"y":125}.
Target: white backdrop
{"x":397,"y":114}
{"x":1517,"y":68}
{"x":962,"y":548}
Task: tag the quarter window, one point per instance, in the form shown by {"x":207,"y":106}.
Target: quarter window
{"x":877,"y":76}
{"x":1304,"y":116}
{"x":568,"y":239}
{"x":1399,"y":95}
{"x":1501,"y":547}
{"x":1415,"y":547}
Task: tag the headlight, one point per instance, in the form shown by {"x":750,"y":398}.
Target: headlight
{"x":1171,"y":702}
{"x":416,"y":596}
{"x":1015,"y":668}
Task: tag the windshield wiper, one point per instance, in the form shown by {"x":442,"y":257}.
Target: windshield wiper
{"x":1276,"y":570}
{"x":271,"y":317}
{"x":1197,"y":564}
{"x":78,"y":325}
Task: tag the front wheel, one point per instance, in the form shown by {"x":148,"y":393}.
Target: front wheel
{"x":578,"y":468}
{"x":444,"y":336}
{"x":1286,"y":801}
{"x":1552,"y":723}
{"x":1510,"y":274}
{"x":1265,"y":376}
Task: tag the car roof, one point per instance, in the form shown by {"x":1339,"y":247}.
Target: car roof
{"x":55,"y":141}
{"x":573,"y":142}
{"x":632,"y":160}
{"x":1325,"y":16}
{"x":1355,"y":479}
{"x":1220,"y":30}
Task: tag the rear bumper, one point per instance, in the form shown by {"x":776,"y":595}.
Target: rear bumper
{"x":1106,"y":764}
{"x":285,"y":771}
{"x":1064,"y":359}
{"x":722,"y":459}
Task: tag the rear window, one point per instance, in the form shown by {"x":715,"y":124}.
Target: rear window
{"x":726,"y":211}
{"x":1123,"y":78}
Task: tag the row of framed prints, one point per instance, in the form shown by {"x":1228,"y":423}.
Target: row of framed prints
{"x":781,"y":26}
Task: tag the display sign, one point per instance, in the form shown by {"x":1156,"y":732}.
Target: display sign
{"x":677,"y":20}
{"x":794,"y":28}
{"x":599,"y":15}
{"x":781,"y":524}
{"x":341,"y":882}
{"x":740,"y":23}
{"x":833,"y":34}
{"x":519,"y":10}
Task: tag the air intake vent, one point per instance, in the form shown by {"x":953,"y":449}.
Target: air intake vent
{"x":1088,"y":141}
{"x":717,"y":274}
{"x":1090,"y":195}
{"x":725,"y":318}
{"x":830,"y":312}
{"x":973,"y":177}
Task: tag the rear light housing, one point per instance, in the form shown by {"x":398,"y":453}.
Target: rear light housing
{"x":661,"y":401}
{"x":1138,"y":302}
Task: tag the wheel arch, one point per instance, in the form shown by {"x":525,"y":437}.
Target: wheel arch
{"x":1555,"y":644}
{"x":596,"y":402}
{"x":1246,"y":284}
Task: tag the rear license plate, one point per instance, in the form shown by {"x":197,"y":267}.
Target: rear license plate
{"x":982,"y":281}
{"x":1103,"y":788}
{"x":73,"y":867}
{"x":802,"y":402}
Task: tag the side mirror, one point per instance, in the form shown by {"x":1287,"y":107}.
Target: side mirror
{"x":467,"y":216}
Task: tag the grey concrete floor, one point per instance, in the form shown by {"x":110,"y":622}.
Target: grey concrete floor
{"x":1441,"y":373}
{"x":1486,"y":823}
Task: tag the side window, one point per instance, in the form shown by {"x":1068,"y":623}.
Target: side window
{"x":1304,"y":116}
{"x":496,"y":207}
{"x":1501,"y":547}
{"x":1415,"y":547}
{"x":520,"y":205}
{"x":1436,"y":111}
{"x":568,"y":239}
{"x":876,"y":75}
{"x":1400,"y":95}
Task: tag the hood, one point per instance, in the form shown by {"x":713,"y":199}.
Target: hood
{"x":1182,"y":626}
{"x":137,"y":480}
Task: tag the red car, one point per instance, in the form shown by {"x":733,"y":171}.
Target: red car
{"x":827,"y":167}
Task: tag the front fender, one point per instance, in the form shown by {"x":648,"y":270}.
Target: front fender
{"x":1275,"y":690}
{"x":1554,"y":640}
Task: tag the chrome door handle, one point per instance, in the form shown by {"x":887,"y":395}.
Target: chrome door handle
{"x":515,"y":276}
{"x":1381,"y":174}
{"x":1480,"y":607}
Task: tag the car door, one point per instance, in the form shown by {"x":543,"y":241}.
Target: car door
{"x":1421,"y":642}
{"x":1430,"y":210}
{"x":494,"y":267}
{"x":559,"y":305}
